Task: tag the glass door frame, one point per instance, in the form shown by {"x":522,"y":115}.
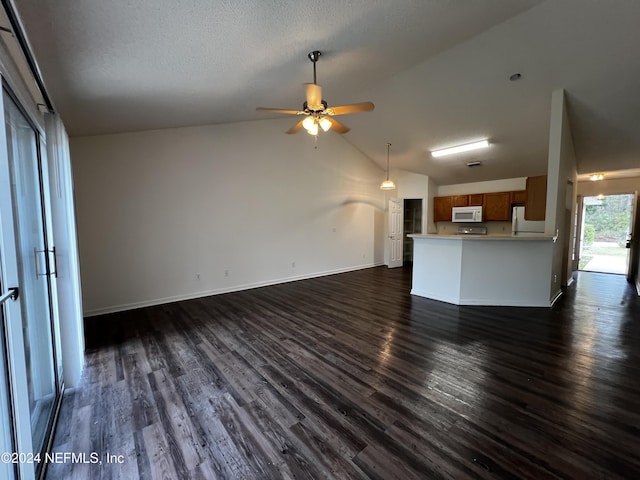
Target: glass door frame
{"x":8,"y":436}
{"x":20,"y":410}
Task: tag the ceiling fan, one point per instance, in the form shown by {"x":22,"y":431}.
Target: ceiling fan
{"x":316,"y":111}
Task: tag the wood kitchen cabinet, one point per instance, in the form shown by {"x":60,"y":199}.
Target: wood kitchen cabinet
{"x":497,"y":207}
{"x":476,"y":199}
{"x":460,"y":201}
{"x":536,"y":203}
{"x":519,"y":197}
{"x":442,"y":209}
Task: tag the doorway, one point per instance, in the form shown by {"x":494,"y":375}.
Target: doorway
{"x":412,"y":224}
{"x":606,"y":233}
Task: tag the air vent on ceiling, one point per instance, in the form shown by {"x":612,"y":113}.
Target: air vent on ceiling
{"x":474,"y":164}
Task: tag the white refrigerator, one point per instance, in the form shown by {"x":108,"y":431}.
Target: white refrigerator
{"x":525,"y":228}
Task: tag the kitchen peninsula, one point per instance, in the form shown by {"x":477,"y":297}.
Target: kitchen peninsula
{"x":484,"y":269}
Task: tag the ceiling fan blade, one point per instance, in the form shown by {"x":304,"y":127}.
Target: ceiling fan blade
{"x":314,"y":96}
{"x":279,"y":110}
{"x":353,"y":108}
{"x":337,"y":126}
{"x":296,"y":127}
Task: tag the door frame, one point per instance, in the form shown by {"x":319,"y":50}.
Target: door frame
{"x":634,"y":225}
{"x":394,"y":222}
{"x":634,"y":251}
{"x":389,"y":248}
{"x":422,"y":216}
{"x":14,"y":340}
{"x":8,"y":436}
{"x":16,"y":368}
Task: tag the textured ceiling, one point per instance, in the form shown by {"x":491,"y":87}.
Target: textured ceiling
{"x":437,"y":70}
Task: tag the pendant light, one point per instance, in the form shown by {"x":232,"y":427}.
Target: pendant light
{"x":388,"y":184}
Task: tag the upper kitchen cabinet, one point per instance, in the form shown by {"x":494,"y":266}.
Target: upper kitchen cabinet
{"x":476,"y":199}
{"x":497,"y":207}
{"x":442,"y":209}
{"x":519,"y":197}
{"x":460,"y":201}
{"x":536,"y":203}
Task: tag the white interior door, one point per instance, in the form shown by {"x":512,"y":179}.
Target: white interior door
{"x":396,"y":214}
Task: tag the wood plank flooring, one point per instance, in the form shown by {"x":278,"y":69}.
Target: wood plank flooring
{"x":348,"y":376}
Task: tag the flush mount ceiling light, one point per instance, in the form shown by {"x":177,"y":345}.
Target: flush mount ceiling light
{"x":388,"y":184}
{"x":596,"y":177}
{"x":460,"y":148}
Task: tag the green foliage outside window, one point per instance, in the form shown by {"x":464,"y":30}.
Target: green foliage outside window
{"x":609,"y":220}
{"x":589,"y":234}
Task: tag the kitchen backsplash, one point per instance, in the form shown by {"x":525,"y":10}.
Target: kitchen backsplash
{"x":493,"y":228}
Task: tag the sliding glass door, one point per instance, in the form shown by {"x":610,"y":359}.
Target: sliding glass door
{"x":29,"y":263}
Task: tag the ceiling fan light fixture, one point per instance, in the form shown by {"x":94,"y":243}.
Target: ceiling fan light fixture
{"x":460,"y":148}
{"x":310,"y":124}
{"x":325,"y":124}
{"x":388,"y":184}
{"x":313,"y":129}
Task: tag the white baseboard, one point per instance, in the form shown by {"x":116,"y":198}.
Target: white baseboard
{"x":501,"y":302}
{"x":489,"y":302}
{"x":441,"y":298}
{"x":235,"y":288}
{"x":555,"y":298}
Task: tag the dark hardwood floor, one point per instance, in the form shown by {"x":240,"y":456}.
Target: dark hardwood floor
{"x":348,"y":376}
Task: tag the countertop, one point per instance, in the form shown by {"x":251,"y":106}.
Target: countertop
{"x":539,"y":238}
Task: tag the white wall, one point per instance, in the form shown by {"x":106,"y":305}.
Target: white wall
{"x":505,"y":185}
{"x":615,"y":186}
{"x":411,"y":185}
{"x":179,"y":213}
{"x":561,"y":186}
{"x":415,"y":186}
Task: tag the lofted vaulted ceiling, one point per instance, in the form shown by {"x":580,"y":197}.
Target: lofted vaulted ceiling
{"x":437,"y":70}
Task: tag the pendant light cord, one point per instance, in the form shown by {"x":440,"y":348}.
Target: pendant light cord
{"x":388,"y":146}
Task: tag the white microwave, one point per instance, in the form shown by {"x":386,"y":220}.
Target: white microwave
{"x":466,"y":214}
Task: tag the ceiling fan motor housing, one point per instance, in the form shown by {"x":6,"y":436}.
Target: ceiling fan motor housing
{"x":308,"y":110}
